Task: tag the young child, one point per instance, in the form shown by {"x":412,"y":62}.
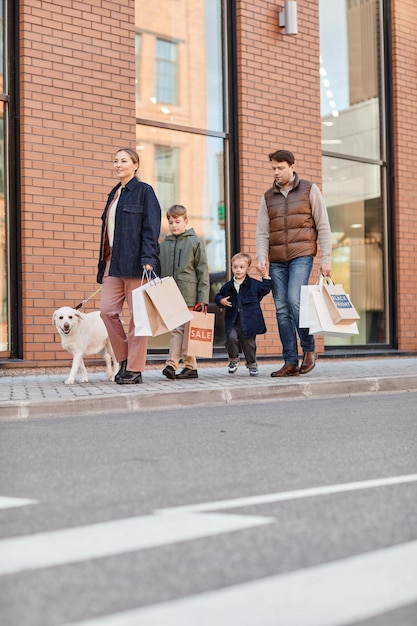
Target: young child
{"x":244,"y":318}
{"x":183,"y":256}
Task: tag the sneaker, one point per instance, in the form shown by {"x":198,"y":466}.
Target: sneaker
{"x":253,"y":371}
{"x":169,"y":372}
{"x":233,"y":365}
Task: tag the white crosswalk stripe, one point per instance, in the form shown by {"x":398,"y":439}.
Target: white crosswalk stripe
{"x":330,"y":594}
{"x":9,"y":503}
{"x":334,"y":594}
{"x":73,"y":545}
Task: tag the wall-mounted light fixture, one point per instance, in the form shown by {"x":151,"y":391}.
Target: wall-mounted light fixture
{"x":288,"y":18}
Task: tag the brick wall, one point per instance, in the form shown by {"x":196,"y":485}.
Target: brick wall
{"x":404,"y":66}
{"x":279,"y":101}
{"x":77,"y":108}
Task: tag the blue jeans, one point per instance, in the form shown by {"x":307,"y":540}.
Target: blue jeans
{"x":287,"y":279}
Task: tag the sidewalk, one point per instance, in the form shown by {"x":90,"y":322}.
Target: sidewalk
{"x":43,"y":395}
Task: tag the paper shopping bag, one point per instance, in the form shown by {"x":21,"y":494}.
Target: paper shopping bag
{"x":168,"y":302}
{"x":148,"y":322}
{"x":307,"y":310}
{"x":199,"y":335}
{"x":341,"y":308}
{"x":323,"y":323}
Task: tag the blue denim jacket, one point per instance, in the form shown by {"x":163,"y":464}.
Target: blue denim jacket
{"x":136,"y":233}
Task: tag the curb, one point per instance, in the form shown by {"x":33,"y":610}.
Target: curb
{"x":144,"y":400}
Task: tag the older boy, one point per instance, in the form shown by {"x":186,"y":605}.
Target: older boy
{"x":183,"y":256}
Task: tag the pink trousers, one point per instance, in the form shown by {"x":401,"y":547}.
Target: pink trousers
{"x":126,"y":346}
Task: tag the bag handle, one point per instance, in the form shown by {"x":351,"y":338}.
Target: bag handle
{"x":150,"y":277}
{"x":324,"y":280}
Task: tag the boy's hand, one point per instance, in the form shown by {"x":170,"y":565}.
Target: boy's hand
{"x":226,"y":301}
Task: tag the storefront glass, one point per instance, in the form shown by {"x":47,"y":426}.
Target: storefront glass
{"x":354,"y":201}
{"x":181,"y":125}
{"x":353,"y":158}
{"x":4,"y":325}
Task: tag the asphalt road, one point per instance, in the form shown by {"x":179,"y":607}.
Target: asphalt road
{"x":265,"y":514}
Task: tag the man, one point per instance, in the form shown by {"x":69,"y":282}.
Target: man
{"x":292,"y":217}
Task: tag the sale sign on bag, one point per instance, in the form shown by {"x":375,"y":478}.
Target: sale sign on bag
{"x":199,"y":335}
{"x":340,"y":307}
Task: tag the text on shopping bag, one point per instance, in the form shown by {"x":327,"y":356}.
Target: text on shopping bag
{"x":339,"y":304}
{"x":199,"y":335}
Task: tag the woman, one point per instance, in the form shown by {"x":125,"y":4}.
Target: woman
{"x":129,"y":245}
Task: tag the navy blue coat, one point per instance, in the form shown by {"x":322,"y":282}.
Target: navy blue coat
{"x":136,"y":233}
{"x":245,"y":304}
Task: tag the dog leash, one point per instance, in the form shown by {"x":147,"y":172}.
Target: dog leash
{"x":88,"y":299}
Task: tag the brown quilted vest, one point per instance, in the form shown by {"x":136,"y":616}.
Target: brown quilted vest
{"x":292,"y":231}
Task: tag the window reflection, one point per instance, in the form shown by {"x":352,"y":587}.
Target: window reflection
{"x":350,"y":76}
{"x":353,"y":196}
{"x":179,"y":84}
{"x":349,"y":73}
{"x":179,"y":63}
{"x":187,"y":168}
{"x":166,"y":72}
{"x":4,"y":343}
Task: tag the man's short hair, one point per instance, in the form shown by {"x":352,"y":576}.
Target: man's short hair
{"x":282,"y":155}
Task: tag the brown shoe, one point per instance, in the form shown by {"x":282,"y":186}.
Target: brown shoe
{"x":286,"y":370}
{"x":309,"y":362}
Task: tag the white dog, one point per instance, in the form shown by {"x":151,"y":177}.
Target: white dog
{"x":83,"y":334}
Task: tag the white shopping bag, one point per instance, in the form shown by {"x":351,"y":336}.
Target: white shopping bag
{"x":148,"y":322}
{"x":307,"y":308}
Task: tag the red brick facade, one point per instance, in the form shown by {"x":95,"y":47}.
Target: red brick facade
{"x":78,"y":105}
{"x":404,"y":67}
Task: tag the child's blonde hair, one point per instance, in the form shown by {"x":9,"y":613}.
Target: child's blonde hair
{"x":243,"y":255}
{"x":177,"y":210}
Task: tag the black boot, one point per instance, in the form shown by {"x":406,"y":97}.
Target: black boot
{"x":121,"y":372}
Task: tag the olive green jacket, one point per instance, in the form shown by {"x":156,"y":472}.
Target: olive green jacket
{"x":184,"y":257}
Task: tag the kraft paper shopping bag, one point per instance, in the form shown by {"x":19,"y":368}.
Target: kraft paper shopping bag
{"x":168,"y":302}
{"x":199,"y":335}
{"x":341,"y":308}
{"x":323,"y":324}
{"x":148,"y":322}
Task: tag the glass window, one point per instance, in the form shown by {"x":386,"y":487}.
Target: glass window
{"x":166,"y":72}
{"x":182,"y":130}
{"x":4,"y":315}
{"x":354,"y":201}
{"x":167,"y":175}
{"x":4,"y":274}
{"x":187,"y":168}
{"x":352,"y":125}
{"x":181,"y":63}
{"x":350,"y":72}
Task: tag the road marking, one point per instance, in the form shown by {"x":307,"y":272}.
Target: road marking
{"x":332,"y":594}
{"x":73,"y":545}
{"x":9,"y":503}
{"x":293,"y":495}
